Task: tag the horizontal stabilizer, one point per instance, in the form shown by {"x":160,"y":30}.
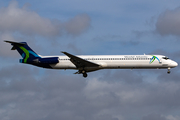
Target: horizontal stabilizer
{"x":18,"y":43}
{"x":15,"y":43}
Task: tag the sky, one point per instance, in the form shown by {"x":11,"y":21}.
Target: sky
{"x":96,"y":27}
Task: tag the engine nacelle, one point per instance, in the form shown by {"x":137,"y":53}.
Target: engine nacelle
{"x":48,"y":60}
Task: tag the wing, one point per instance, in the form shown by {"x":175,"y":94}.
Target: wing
{"x":79,"y":62}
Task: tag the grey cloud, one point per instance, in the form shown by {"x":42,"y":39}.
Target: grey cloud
{"x":15,"y":19}
{"x":74,"y":48}
{"x":107,"y":38}
{"x":154,"y":117}
{"x":27,"y":22}
{"x":123,"y":76}
{"x":5,"y":48}
{"x":168,"y":22}
{"x":78,"y":24}
{"x":29,"y":94}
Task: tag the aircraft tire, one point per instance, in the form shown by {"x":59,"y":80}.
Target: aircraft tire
{"x":85,"y":75}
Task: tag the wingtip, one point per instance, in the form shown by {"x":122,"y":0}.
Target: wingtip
{"x":63,"y":52}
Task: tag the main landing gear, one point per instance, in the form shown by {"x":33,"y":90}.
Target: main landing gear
{"x":84,"y":74}
{"x":169,"y":71}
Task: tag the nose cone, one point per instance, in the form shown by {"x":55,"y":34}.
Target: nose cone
{"x":174,"y":64}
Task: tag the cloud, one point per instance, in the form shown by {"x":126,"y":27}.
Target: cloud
{"x":22,"y":23}
{"x":6,"y":48}
{"x":78,"y":24}
{"x":28,"y":22}
{"x":168,"y":22}
{"x":26,"y":93}
{"x":31,"y":93}
{"x":15,"y":19}
{"x":154,"y":117}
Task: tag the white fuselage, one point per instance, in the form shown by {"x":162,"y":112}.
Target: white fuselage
{"x":89,"y":63}
{"x":118,"y":62}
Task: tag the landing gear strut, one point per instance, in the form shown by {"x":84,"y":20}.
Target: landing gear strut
{"x":84,"y":73}
{"x":169,"y":71}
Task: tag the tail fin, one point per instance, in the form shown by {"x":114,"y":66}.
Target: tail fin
{"x":24,"y":50}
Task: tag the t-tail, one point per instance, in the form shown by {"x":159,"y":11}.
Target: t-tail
{"x":28,"y":55}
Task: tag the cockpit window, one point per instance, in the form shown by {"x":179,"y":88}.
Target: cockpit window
{"x":166,"y":58}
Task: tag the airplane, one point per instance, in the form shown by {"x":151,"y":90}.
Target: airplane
{"x":90,"y":63}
